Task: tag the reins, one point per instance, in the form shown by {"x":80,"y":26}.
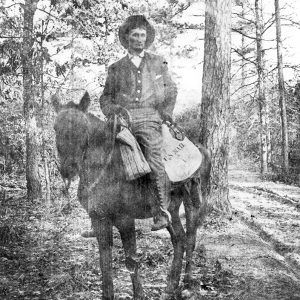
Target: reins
{"x":117,"y":120}
{"x":113,"y":142}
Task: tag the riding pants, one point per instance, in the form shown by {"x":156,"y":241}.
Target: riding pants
{"x":149,"y":136}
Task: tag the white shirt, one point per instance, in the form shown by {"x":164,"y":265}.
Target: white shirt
{"x":136,"y":59}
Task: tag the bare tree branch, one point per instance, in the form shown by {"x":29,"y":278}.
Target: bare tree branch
{"x":14,"y":4}
{"x":243,"y":56}
{"x":10,"y":37}
{"x":243,"y":86}
{"x":48,"y":13}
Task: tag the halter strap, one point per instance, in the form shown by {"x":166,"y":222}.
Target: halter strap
{"x":110,"y":154}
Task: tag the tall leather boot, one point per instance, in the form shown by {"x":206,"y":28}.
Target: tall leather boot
{"x":163,"y":218}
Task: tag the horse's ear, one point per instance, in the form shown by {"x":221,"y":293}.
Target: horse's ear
{"x":55,"y":102}
{"x":84,"y":102}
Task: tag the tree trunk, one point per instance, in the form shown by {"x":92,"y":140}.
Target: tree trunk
{"x":214,"y":120}
{"x":262,"y":103}
{"x":243,"y":57}
{"x":281,"y":90}
{"x":44,"y":121}
{"x":32,"y":153}
{"x":44,"y":139}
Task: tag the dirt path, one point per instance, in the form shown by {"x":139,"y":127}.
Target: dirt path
{"x":253,"y":255}
{"x":260,"y":244}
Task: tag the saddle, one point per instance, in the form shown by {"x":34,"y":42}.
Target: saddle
{"x":181,"y":157}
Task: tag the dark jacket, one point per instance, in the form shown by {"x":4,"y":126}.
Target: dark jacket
{"x":120,"y":82}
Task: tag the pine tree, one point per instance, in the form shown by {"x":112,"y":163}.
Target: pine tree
{"x":214,"y":120}
{"x":281,"y":91}
{"x":32,"y":152}
{"x":262,"y":102}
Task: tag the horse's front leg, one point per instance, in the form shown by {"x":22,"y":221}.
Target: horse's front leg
{"x":103,"y":231}
{"x":178,"y":240}
{"x":195,"y":209}
{"x":126,"y":228}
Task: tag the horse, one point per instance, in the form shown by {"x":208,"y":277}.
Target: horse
{"x":86,"y":147}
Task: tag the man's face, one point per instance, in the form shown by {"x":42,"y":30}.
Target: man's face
{"x":137,"y":38}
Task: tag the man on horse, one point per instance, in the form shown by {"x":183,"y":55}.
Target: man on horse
{"x":141,"y":84}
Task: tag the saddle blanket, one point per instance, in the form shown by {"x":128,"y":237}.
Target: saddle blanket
{"x":181,"y":157}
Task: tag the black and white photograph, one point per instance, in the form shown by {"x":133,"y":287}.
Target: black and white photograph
{"x":150,"y":149}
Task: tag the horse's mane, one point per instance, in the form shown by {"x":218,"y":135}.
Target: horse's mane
{"x":101,"y":144}
{"x":77,"y":128}
{"x":99,"y":130}
{"x":71,"y":121}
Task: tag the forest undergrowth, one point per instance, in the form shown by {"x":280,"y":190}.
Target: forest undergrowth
{"x":43,"y":256}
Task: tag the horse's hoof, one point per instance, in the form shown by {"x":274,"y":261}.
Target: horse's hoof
{"x":122,"y":296}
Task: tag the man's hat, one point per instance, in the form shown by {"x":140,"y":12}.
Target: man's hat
{"x":135,"y":22}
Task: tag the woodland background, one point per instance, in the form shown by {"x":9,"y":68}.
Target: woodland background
{"x":242,"y":104}
{"x":71,"y":43}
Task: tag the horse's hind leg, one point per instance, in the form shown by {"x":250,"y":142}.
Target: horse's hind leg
{"x":178,"y":240}
{"x":194,"y":207}
{"x":103,"y":230}
{"x":126,"y":228}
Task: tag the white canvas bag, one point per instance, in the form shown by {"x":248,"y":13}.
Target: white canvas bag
{"x":181,"y":157}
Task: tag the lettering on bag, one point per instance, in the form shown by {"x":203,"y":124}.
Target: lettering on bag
{"x":169,"y":156}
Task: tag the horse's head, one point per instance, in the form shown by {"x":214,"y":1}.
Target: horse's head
{"x":72,"y":134}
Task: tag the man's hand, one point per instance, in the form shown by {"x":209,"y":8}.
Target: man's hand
{"x":166,"y":118}
{"x":121,"y":112}
{"x":114,"y":109}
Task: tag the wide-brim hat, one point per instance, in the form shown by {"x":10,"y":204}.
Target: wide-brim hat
{"x":135,"y":22}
